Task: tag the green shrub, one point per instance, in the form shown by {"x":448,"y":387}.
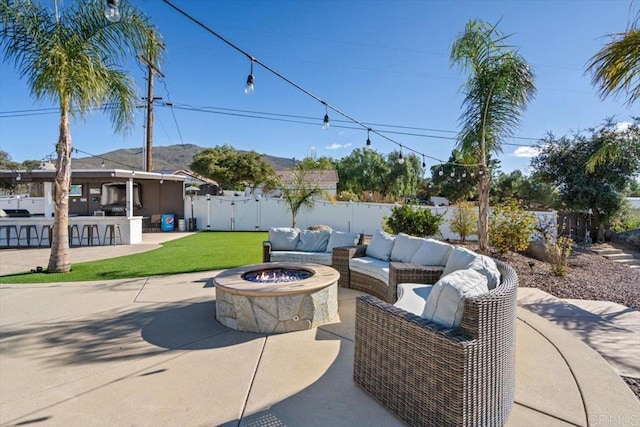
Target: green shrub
{"x":413,"y":220}
{"x":558,"y":254}
{"x":627,"y":218}
{"x":510,"y":227}
{"x":464,"y":221}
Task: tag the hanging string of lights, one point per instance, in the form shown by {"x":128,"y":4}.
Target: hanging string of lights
{"x":249,"y":88}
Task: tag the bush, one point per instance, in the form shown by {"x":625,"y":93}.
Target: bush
{"x":558,"y":254}
{"x":464,"y":221}
{"x":627,"y":218}
{"x":510,"y":227}
{"x":413,"y":220}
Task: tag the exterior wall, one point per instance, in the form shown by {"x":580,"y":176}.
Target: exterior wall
{"x":224,"y":213}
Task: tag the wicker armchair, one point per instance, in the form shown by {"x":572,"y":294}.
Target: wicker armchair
{"x":398,"y":273}
{"x":431,"y":376}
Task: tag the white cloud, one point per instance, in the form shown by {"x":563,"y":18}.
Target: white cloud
{"x":336,"y":146}
{"x":526,"y":152}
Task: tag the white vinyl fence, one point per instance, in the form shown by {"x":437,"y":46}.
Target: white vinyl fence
{"x":241,"y":213}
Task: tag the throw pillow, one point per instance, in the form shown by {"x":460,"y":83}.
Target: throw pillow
{"x":462,"y":259}
{"x":405,"y":247}
{"x":445,"y":304}
{"x":340,"y":238}
{"x":432,"y":252}
{"x":312,"y":241}
{"x":283,"y":238}
{"x":381,"y":245}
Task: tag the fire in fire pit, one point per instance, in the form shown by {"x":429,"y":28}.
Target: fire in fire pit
{"x":276,"y":275}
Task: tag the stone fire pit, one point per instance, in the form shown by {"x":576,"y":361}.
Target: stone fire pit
{"x":273,"y":305}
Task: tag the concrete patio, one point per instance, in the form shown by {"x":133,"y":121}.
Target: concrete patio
{"x":149,"y":352}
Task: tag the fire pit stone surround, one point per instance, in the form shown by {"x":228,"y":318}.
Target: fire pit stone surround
{"x":265,"y":307}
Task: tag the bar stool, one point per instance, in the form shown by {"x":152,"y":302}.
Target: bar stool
{"x":74,"y":228}
{"x":110,"y":232}
{"x":48,"y":230}
{"x":7,"y":235}
{"x":90,"y":233}
{"x":27,"y":234}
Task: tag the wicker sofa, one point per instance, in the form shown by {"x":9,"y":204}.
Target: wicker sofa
{"x":428,"y":374}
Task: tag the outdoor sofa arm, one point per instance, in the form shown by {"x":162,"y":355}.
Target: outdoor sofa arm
{"x":340,"y":261}
{"x":400,"y":272}
{"x":266,"y":251}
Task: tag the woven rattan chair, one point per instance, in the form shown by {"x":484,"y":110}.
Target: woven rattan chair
{"x":398,"y":273}
{"x":431,"y":376}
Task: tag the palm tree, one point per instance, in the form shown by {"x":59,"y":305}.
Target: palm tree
{"x":498,"y":89}
{"x":615,"y":68}
{"x":72,"y":59}
{"x":301,"y":193}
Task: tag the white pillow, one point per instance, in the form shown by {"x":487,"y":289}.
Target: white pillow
{"x":432,"y":252}
{"x":405,"y":247}
{"x":462,"y":259}
{"x":445,"y":304}
{"x":381,"y":245}
{"x":340,"y":238}
{"x":313,"y":241}
{"x":283,"y":238}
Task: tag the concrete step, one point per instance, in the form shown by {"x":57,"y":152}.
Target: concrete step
{"x":606,"y":251}
{"x":619,"y":256}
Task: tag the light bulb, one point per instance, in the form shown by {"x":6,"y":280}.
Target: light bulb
{"x":401,"y":159}
{"x":464,"y":174}
{"x":440,"y":172}
{"x":112,"y":11}
{"x":18,"y":178}
{"x":248,"y":89}
{"x":452,"y":174}
{"x":325,"y":122}
{"x":458,"y":180}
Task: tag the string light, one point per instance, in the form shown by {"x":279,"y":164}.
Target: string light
{"x":112,"y":11}
{"x":248,"y":89}
{"x":424,"y":165}
{"x":102,"y":164}
{"x":400,"y":158}
{"x":325,"y":121}
{"x":368,"y":146}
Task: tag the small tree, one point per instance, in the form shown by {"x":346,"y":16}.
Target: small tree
{"x":511,"y":227}
{"x":558,"y":254}
{"x":301,"y":193}
{"x":464,"y":221}
{"x":413,"y":220}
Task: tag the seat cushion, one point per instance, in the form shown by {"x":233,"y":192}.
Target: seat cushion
{"x":370,"y":266}
{"x":412,"y":297}
{"x":323,"y":258}
{"x":313,"y":240}
{"x":462,"y":259}
{"x":405,"y":247}
{"x":432,"y":252}
{"x":338,"y":239}
{"x":381,"y":245}
{"x":283,"y":238}
{"x":445,"y":303}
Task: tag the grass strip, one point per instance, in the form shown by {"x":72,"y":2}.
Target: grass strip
{"x":198,"y":252}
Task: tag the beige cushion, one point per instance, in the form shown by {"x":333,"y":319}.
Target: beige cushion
{"x":381,"y":245}
{"x":462,"y":259}
{"x":405,"y":247}
{"x":445,"y":304}
{"x":432,"y":252}
{"x":313,"y":240}
{"x":412,"y":297}
{"x":283,"y":238}
{"x":338,"y":239}
{"x":323,"y":258}
{"x":373,"y":267}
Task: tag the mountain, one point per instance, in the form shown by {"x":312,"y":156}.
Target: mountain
{"x":168,"y":158}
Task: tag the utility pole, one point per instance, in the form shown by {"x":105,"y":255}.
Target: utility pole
{"x":151,"y":72}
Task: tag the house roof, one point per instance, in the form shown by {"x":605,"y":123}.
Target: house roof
{"x":191,"y":174}
{"x":314,"y":177}
{"x":44,"y":175}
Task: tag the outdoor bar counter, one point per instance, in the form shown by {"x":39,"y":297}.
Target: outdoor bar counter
{"x":83,"y":231}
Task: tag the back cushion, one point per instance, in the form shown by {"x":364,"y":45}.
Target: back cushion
{"x":445,"y":304}
{"x":313,"y":241}
{"x":381,"y":245}
{"x":462,"y":259}
{"x":340,"y":238}
{"x":432,"y":252}
{"x":283,"y":238}
{"x":405,"y":247}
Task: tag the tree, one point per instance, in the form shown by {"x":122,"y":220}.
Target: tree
{"x":456,"y":183}
{"x":363,"y":171}
{"x":404,"y":176}
{"x":561,"y":163}
{"x":498,"y":89}
{"x":615,"y":69}
{"x":233,"y":169}
{"x":301,"y":193}
{"x":321,"y":163}
{"x":73,"y":59}
{"x":618,"y":143}
{"x":464,"y":221}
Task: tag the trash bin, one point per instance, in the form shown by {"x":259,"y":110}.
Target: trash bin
{"x":181,"y":225}
{"x":167,"y":222}
{"x":193,"y":224}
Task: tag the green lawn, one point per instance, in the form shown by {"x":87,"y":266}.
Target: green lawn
{"x":198,"y":252}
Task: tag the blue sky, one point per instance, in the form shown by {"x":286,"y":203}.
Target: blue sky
{"x":381,"y":62}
